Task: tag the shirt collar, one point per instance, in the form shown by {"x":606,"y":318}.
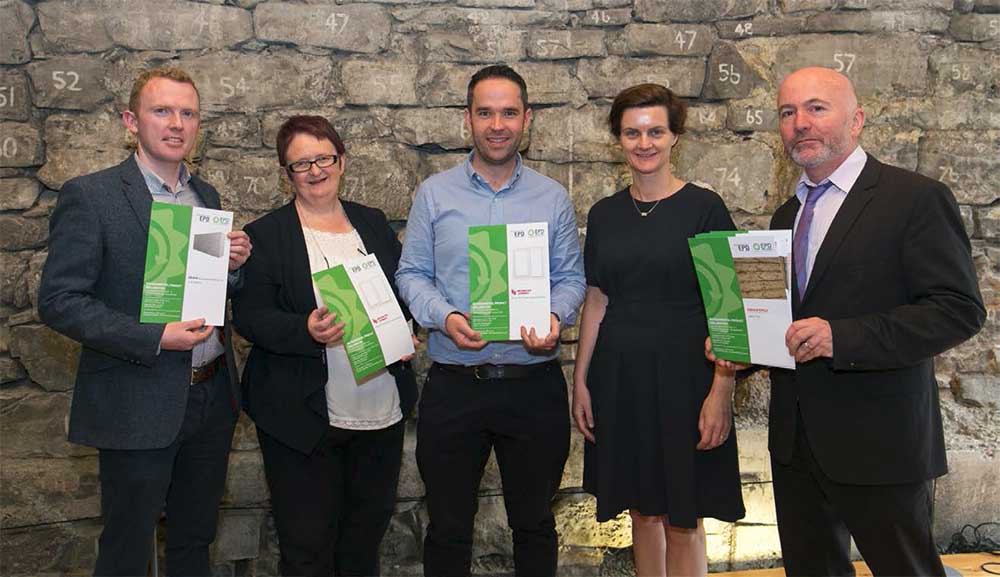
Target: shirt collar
{"x":474,"y":176}
{"x":843,"y":177}
{"x":153,"y":180}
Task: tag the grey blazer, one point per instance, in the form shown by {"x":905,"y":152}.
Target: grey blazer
{"x":127,"y":395}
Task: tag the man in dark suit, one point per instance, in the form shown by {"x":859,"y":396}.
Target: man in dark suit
{"x":159,"y":401}
{"x":883,"y":282}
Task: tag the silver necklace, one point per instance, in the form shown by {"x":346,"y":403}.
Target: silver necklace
{"x":644,"y":213}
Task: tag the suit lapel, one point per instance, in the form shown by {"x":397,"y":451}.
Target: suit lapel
{"x":300,"y":273}
{"x":209,"y":198}
{"x":136,"y":192}
{"x":854,"y":204}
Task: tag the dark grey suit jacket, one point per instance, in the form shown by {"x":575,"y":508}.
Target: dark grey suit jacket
{"x":894,"y":278}
{"x":127,"y":396}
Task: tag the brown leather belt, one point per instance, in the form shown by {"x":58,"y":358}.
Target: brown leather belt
{"x":488,"y":371}
{"x":207,"y":371}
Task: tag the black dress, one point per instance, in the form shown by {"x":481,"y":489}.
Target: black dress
{"x":648,"y":375}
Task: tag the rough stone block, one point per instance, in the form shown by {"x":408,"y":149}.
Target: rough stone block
{"x":19,"y":233}
{"x":16,"y":20}
{"x":483,"y":43}
{"x":59,"y":549}
{"x":191,"y":26}
{"x":669,"y":39}
{"x":893,"y":145}
{"x":444,"y":127}
{"x":383,"y":175}
{"x":969,"y":162}
{"x":550,"y":83}
{"x":443,"y":84}
{"x":352,"y":125}
{"x":38,"y":491}
{"x":586,"y":183}
{"x":758,"y":498}
{"x":15,"y":102}
{"x":241,"y":82}
{"x":894,"y":21}
{"x":959,"y":69}
{"x":740,"y":172}
{"x":966,"y":495}
{"x":34,"y":424}
{"x":566,"y":134}
{"x":706,"y":117}
{"x":49,"y":357}
{"x":101,"y":134}
{"x":73,"y":82}
{"x":754,"y":543}
{"x":240,"y":131}
{"x":989,"y":223}
{"x":475,"y":20}
{"x":376,"y":83}
{"x":975,"y":27}
{"x":491,"y":536}
{"x":748,"y":115}
{"x":606,"y":17}
{"x":75,"y":25}
{"x":10,"y":371}
{"x":238,"y":535}
{"x":13,"y":288}
{"x":755,"y":460}
{"x":576,"y":523}
{"x":760,"y":26}
{"x":245,"y":435}
{"x":18,"y":193}
{"x":559,"y":44}
{"x":792,"y":6}
{"x":579,"y":5}
{"x":245,"y":483}
{"x":606,"y":77}
{"x":20,"y":145}
{"x":402,"y":546}
{"x":862,"y":59}
{"x":729,"y":75}
{"x":697,"y":10}
{"x":245,"y":182}
{"x":977,"y":390}
{"x":344,"y":27}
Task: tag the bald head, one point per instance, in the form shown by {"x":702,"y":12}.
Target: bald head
{"x":819,"y":119}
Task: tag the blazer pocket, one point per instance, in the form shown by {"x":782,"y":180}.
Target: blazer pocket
{"x":93,"y":361}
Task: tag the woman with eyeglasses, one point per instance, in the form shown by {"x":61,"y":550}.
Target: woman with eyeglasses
{"x":332,"y":446}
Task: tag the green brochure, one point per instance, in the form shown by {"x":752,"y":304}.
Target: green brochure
{"x":187,"y":264}
{"x":375,"y":332}
{"x":744,"y":282}
{"x":509,"y":280}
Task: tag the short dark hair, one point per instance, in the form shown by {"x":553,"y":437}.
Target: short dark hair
{"x":313,"y":125}
{"x":644,"y":96}
{"x":497,"y":71}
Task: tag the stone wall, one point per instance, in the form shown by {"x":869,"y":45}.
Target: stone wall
{"x":392,"y":76}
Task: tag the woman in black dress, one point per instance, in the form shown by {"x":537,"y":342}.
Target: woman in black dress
{"x":656,"y":415}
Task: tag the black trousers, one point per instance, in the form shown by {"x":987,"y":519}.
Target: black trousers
{"x":526,"y":422}
{"x":186,"y":479}
{"x":891,"y":524}
{"x":332,"y":507}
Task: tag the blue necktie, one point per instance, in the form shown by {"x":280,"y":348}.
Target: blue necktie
{"x":800,"y":243}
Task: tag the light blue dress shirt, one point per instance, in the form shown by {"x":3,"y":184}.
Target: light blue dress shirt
{"x":828,"y":205}
{"x":433,"y":273}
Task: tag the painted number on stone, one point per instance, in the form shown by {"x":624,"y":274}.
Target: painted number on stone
{"x":845,"y":61}
{"x":994,"y":27}
{"x":755,"y":117}
{"x":728,"y":73}
{"x":550,"y":47}
{"x":252,"y":182}
{"x":600,"y":17}
{"x":9,"y":147}
{"x":66,"y":80}
{"x":948,"y":174}
{"x":961,"y":72}
{"x":744,"y":28}
{"x":229,"y":89}
{"x":706,"y":116}
{"x":6,"y":96}
{"x":731,"y":175}
{"x":685,"y":38}
{"x":337,"y":22}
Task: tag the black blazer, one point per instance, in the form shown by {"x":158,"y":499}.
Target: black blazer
{"x":895,"y":279}
{"x":285,"y":375}
{"x":128,"y":394}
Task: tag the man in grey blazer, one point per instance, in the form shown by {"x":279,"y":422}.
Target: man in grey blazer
{"x":159,"y":401}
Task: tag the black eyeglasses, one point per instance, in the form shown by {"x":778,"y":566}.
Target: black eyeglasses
{"x":306,"y":165}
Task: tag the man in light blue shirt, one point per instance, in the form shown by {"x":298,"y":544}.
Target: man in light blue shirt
{"x":506,"y":396}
